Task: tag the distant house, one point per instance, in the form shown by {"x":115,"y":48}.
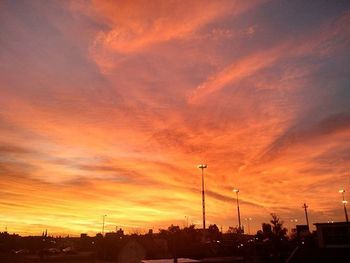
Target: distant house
{"x":118,"y":234}
{"x":333,"y":235}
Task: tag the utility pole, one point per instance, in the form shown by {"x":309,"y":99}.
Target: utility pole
{"x":238,"y":211}
{"x":202,"y":167}
{"x":306,"y":216}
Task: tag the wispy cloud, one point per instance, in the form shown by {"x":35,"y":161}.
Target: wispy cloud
{"x":133,"y":28}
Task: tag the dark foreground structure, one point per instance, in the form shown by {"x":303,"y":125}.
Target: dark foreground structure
{"x":330,"y":243}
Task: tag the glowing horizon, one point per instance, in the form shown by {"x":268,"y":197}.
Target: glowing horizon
{"x":108,"y":107}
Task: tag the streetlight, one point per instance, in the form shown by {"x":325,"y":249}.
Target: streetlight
{"x":202,"y":167}
{"x":103,"y":224}
{"x":342,"y":191}
{"x":238,"y":212}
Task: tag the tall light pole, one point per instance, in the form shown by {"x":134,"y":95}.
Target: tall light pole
{"x":306,"y":216}
{"x":342,"y":191}
{"x":103,"y":224}
{"x":238,"y":212}
{"x":202,"y":167}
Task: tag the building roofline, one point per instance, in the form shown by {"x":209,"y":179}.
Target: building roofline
{"x":334,"y":223}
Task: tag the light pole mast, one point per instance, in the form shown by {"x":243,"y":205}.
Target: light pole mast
{"x":344,"y":203}
{"x":238,"y":212}
{"x":202,"y":167}
{"x":306,"y":216}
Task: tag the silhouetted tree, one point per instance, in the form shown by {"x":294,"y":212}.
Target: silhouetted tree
{"x":214,"y":232}
{"x":277,"y":227}
{"x":174,"y":229}
{"x":276,"y":244}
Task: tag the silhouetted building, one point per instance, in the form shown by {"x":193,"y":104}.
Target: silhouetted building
{"x":333,"y":235}
{"x":118,"y":234}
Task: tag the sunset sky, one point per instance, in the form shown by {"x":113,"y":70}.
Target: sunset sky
{"x":107,"y":107}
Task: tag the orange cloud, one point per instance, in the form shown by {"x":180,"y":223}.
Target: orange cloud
{"x":237,"y":71}
{"x":248,"y":66}
{"x":133,"y":28}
